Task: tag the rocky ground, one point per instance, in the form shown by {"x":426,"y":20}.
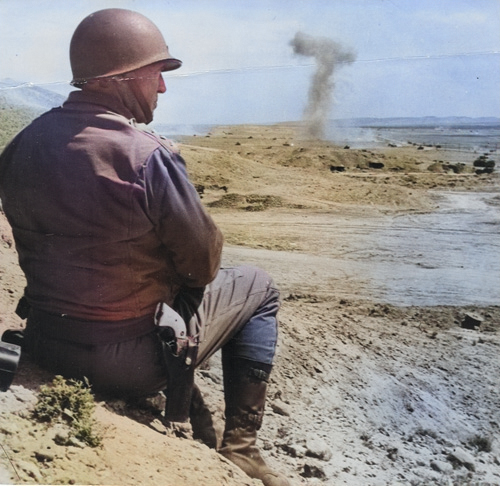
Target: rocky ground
{"x":363,"y":393}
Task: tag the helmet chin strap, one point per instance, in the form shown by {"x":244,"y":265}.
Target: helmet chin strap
{"x":143,"y":112}
{"x":133,"y":98}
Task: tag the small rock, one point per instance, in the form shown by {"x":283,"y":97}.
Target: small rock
{"x":211,"y":375}
{"x":472,"y":321}
{"x":73,"y":441}
{"x":118,"y":406}
{"x":294,"y":450}
{"x":318,"y":448}
{"x":463,"y":458}
{"x":280,"y":407}
{"x":392,"y":453}
{"x":158,"y":426}
{"x":61,"y":437}
{"x":267,"y":446}
{"x":318,"y":368}
{"x":44,"y":456}
{"x":313,"y":471}
{"x":337,"y":168}
{"x":441,"y":466}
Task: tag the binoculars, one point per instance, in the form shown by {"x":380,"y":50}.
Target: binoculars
{"x":9,"y":360}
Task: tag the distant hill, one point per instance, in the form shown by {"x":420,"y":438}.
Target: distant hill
{"x":16,"y":94}
{"x":20,"y":103}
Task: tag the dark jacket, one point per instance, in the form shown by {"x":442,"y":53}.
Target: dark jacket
{"x":105,"y":220}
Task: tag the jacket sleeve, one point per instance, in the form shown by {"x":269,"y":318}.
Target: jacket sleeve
{"x":192,"y":240}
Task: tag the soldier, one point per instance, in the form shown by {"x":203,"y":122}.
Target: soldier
{"x":122,"y":262}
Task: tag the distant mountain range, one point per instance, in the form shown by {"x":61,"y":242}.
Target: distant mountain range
{"x":15,"y":94}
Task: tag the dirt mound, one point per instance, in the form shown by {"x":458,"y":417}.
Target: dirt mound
{"x":250,"y":202}
{"x":232,"y":163}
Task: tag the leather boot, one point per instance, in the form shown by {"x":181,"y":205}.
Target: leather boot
{"x":245,"y":388}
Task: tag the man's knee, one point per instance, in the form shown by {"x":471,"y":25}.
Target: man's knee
{"x":257,"y":338}
{"x":261,"y":280}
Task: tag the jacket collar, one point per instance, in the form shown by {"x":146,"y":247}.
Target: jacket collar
{"x":109,"y":103}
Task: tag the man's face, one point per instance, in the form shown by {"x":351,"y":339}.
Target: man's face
{"x":139,"y":90}
{"x":149,"y":82}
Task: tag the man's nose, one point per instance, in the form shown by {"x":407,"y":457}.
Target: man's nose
{"x":162,"y":87}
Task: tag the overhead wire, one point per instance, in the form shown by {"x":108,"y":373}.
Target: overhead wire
{"x":246,"y":69}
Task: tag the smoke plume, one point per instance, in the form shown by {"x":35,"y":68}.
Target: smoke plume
{"x":329,"y":56}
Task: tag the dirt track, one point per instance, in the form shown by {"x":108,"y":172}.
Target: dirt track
{"x":363,"y":393}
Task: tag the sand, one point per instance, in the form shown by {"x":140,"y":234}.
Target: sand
{"x":363,"y":392}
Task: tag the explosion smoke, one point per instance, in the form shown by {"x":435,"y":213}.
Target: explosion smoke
{"x":329,"y":55}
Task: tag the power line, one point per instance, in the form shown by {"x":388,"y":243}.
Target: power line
{"x":246,"y":69}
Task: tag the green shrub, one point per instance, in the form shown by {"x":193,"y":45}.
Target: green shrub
{"x":12,"y":121}
{"x":481,"y":443}
{"x":70,"y":401}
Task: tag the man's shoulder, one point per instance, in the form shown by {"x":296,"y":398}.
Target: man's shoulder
{"x":161,"y":140}
{"x":143,"y":135}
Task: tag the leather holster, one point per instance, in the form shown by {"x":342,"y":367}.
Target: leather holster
{"x":180,"y":369}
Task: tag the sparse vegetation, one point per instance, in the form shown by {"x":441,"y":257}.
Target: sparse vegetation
{"x":70,"y":401}
{"x":481,"y":443}
{"x":12,"y":121}
{"x":422,"y":431}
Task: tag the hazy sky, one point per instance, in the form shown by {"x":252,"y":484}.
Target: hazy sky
{"x":413,"y":57}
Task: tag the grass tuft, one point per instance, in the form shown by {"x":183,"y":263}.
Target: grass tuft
{"x":70,"y":401}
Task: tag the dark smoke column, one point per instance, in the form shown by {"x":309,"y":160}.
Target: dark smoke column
{"x":329,"y":55}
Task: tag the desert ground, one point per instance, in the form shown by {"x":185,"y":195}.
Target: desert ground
{"x":363,"y":392}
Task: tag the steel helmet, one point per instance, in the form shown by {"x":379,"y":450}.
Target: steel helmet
{"x":115,"y":41}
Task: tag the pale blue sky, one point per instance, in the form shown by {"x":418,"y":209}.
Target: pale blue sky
{"x":413,"y":57}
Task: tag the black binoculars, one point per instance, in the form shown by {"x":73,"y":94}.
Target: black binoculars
{"x":9,"y":360}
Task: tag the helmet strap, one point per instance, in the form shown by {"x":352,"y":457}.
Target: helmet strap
{"x":133,"y":98}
